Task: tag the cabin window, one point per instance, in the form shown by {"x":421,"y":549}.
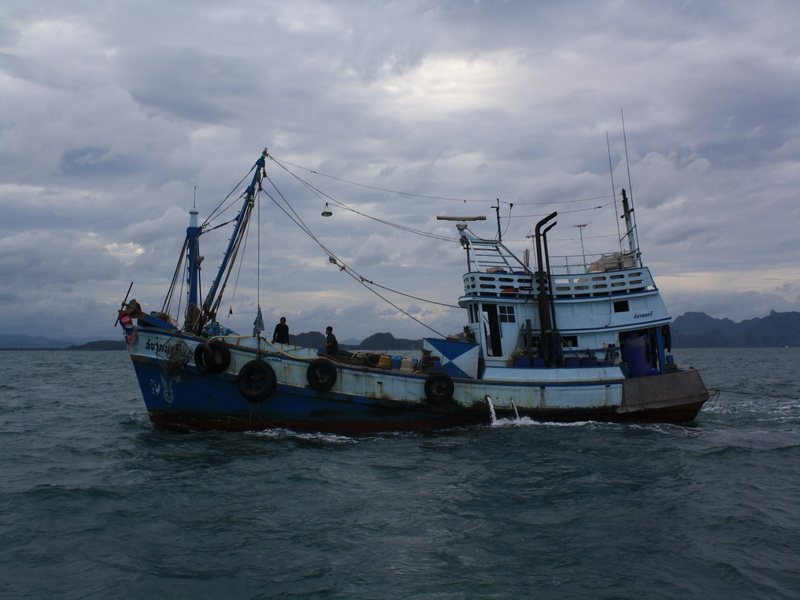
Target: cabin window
{"x":569,"y":341}
{"x":506,"y":314}
{"x":621,"y":306}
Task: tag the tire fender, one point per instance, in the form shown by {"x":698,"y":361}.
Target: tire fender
{"x":439,"y":388}
{"x":212,"y":357}
{"x":220,"y":355}
{"x":321,"y":374}
{"x":256,"y":381}
{"x":202,"y":358}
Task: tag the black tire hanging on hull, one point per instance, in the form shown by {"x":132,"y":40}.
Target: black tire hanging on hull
{"x":321,"y":374}
{"x":256,"y":381}
{"x":439,"y":388}
{"x":212,"y":357}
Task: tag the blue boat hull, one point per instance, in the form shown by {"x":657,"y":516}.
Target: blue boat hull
{"x":180,"y":392}
{"x":201,"y":402}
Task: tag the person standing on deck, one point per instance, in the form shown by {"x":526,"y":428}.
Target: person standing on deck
{"x":281,"y":334}
{"x":331,"y":344}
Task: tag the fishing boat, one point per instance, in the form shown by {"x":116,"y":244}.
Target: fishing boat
{"x":547,"y":343}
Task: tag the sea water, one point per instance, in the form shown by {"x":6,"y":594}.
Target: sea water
{"x":96,"y":502}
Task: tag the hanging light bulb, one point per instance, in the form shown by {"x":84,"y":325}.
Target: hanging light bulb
{"x":326,"y":212}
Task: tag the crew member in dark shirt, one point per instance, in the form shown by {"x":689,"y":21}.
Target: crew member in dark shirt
{"x":281,"y":334}
{"x":331,"y":345}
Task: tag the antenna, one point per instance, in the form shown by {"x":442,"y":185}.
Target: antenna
{"x":583,"y":252}
{"x":630,"y":185}
{"x":497,"y":210}
{"x":613,"y":191}
{"x":627,"y":162}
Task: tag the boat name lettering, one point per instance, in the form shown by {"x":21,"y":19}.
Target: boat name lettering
{"x":160,"y":348}
{"x":643,"y":315}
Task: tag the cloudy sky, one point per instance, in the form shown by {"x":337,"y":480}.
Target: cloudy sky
{"x":117,"y":117}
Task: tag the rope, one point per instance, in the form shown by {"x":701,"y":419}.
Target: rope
{"x":342,"y":266}
{"x":238,"y":273}
{"x":287,"y":209}
{"x":369,"y":187}
{"x":282,"y":164}
{"x":383,"y":287}
{"x":323,"y":196}
{"x":409,"y":315}
{"x":213,"y":214}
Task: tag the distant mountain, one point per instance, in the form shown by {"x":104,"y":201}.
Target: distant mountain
{"x":698,"y":330}
{"x":375,"y":342}
{"x":27,"y":341}
{"x":311,"y":339}
{"x":386,"y":341}
{"x":101,"y":345}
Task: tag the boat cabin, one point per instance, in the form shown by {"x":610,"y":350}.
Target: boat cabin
{"x":525,"y":318}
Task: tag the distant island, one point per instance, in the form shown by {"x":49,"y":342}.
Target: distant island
{"x":691,"y":330}
{"x":311,"y":339}
{"x":24,"y":342}
{"x":375,"y":342}
{"x":698,"y":330}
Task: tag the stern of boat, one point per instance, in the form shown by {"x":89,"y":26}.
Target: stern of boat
{"x":669,"y":398}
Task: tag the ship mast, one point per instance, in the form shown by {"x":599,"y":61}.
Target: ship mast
{"x":214,"y":296}
{"x":193,"y":261}
{"x":196,"y":318}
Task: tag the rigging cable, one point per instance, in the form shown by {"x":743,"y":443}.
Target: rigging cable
{"x":322,"y":195}
{"x":335,"y":259}
{"x":295,"y":217}
{"x":343,"y":266}
{"x":213,"y":214}
{"x":508,"y":219}
{"x":562,"y":212}
{"x":178,"y":272}
{"x":370,"y":187}
{"x":327,"y":198}
{"x":238,"y":274}
{"x":245,"y":218}
{"x":282,"y":164}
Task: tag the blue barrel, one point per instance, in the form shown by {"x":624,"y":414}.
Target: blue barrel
{"x":397,"y":362}
{"x":572,"y":362}
{"x":634,"y":352}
